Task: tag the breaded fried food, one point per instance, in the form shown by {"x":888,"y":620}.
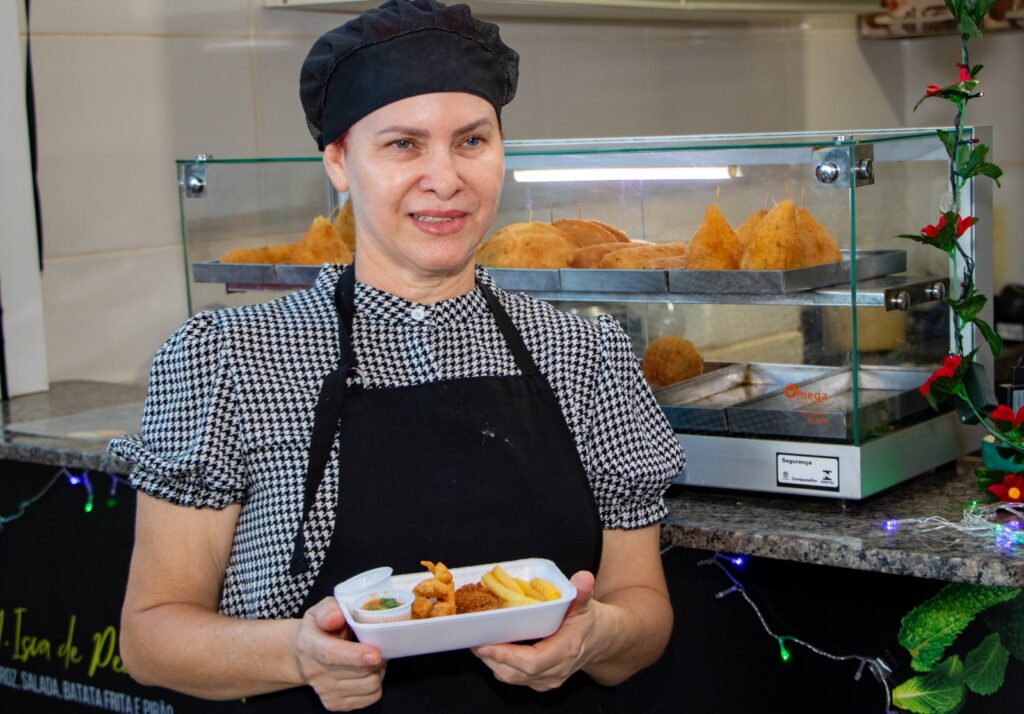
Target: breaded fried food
{"x":620,"y":235}
{"x":635,"y":257}
{"x":586,"y":232}
{"x":671,"y":262}
{"x":435,"y":597}
{"x":474,"y":597}
{"x":528,"y":245}
{"x":589,"y":256}
{"x":775,"y":245}
{"x":321,"y":244}
{"x":818,"y":246}
{"x":671,"y":359}
{"x":345,"y":227}
{"x":714,"y":245}
{"x":746,"y":230}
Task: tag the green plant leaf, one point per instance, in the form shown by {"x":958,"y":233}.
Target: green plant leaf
{"x":967,"y":26}
{"x":992,"y":171}
{"x":953,"y":8}
{"x":995,"y":342}
{"x":985,"y":666}
{"x":938,"y":692}
{"x":968,"y":161}
{"x":976,"y":69}
{"x":986,"y":477}
{"x":928,"y":629}
{"x":978,"y":12}
{"x":1008,"y":620}
{"x":948,"y":139}
{"x":969,"y":306}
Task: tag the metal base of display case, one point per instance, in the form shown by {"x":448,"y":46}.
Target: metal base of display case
{"x":825,"y":470}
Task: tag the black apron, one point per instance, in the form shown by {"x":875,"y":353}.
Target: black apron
{"x":465,"y":471}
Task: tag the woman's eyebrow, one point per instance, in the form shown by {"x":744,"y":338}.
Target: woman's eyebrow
{"x":407,"y":130}
{"x":472,"y":126}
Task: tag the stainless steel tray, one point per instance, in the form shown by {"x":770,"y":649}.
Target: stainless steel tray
{"x":521,"y":279}
{"x":700,"y":403}
{"x":823,"y":408}
{"x":870,"y":264}
{"x":255,"y":276}
{"x":614,"y":281}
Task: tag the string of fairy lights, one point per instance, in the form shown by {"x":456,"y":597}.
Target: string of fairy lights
{"x":1000,"y":525}
{"x":876,"y":665}
{"x":90,"y":484}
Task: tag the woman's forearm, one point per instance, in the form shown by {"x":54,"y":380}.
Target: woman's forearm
{"x":632,"y":628}
{"x":205,"y":654}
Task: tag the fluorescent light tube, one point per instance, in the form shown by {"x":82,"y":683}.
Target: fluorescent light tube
{"x":654,"y":173}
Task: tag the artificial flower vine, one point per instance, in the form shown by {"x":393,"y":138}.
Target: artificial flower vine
{"x":960,"y":377}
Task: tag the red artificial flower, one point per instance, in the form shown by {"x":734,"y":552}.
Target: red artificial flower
{"x":965,"y":74}
{"x":932,"y":89}
{"x":1004,"y":413}
{"x":948,"y":369}
{"x":932,"y":231}
{"x":1011,"y":489}
{"x":962,"y":224}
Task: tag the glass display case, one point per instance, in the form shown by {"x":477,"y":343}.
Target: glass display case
{"x":810,"y":368}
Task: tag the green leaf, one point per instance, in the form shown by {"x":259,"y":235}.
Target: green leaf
{"x":976,"y":69}
{"x":953,"y":8}
{"x":968,"y":307}
{"x":948,"y":139}
{"x":980,"y":9}
{"x":986,"y":477}
{"x":1008,"y":620}
{"x":985,"y":666}
{"x":968,"y":161}
{"x":932,"y":626}
{"x":995,"y":342}
{"x":937,"y":692}
{"x":992,"y":171}
{"x":967,"y":26}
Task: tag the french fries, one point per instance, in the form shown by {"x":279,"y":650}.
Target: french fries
{"x":516,"y":591}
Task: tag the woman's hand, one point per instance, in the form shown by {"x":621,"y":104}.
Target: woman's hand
{"x":345,"y":675}
{"x":548,"y":663}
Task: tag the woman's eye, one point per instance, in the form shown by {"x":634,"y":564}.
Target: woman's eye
{"x":474,"y":141}
{"x":402,"y":144}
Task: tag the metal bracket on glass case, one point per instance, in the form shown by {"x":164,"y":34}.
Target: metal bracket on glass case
{"x":832,"y":164}
{"x":193,"y":180}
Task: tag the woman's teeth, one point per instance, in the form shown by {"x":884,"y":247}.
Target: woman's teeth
{"x":431,"y":219}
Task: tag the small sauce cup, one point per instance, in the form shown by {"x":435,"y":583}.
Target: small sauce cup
{"x":368,"y":607}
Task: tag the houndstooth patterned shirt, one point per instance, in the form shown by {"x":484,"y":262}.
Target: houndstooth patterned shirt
{"x":229,"y":413}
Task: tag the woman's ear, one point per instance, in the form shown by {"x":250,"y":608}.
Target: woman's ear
{"x":334,"y":164}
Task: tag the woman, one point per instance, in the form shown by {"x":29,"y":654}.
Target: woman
{"x":402,"y":410}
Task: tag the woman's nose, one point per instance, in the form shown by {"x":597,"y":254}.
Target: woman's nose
{"x":441,"y":175}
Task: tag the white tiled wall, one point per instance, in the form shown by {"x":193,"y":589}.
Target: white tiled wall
{"x":125,"y":87}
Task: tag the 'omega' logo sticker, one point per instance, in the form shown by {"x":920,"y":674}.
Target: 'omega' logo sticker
{"x":794,"y":392}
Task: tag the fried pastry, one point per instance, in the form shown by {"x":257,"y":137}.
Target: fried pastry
{"x":671,"y":359}
{"x":319,"y":245}
{"x":714,"y":245}
{"x":344,"y":225}
{"x":635,"y":257}
{"x":528,"y":245}
{"x":586,"y":232}
{"x":818,"y":246}
{"x":474,"y":597}
{"x":670,"y":262}
{"x":746,"y":230}
{"x":620,"y":235}
{"x":589,"y":256}
{"x":775,"y":245}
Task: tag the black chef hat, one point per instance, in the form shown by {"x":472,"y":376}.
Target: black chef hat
{"x":402,"y":49}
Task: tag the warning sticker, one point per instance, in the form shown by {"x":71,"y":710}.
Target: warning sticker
{"x":802,"y":471}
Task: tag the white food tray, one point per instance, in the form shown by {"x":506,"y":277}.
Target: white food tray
{"x":440,"y":634}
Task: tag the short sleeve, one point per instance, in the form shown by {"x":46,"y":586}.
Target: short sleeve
{"x":189,"y":450}
{"x":632,"y":452}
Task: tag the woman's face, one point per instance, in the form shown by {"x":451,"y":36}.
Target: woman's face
{"x":425,"y":176}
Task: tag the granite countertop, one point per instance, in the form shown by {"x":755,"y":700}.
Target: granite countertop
{"x":71,"y":424}
{"x":847,"y":534}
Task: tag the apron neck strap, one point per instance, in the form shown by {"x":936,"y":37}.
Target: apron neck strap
{"x":512,"y":337}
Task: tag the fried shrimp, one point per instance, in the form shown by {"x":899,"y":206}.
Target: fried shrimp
{"x":435,"y":597}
